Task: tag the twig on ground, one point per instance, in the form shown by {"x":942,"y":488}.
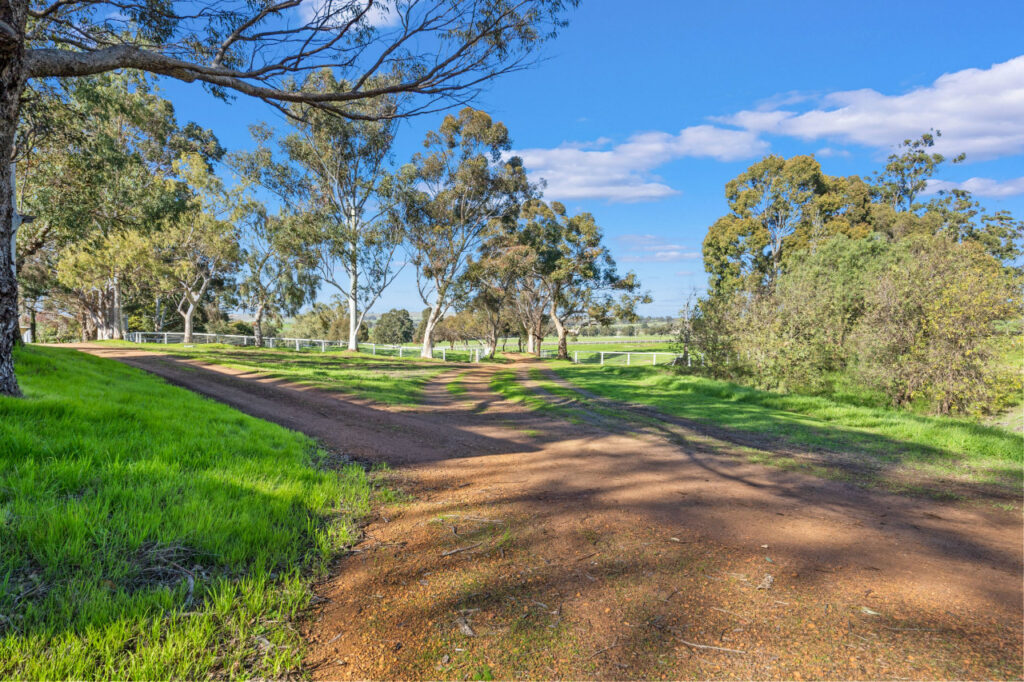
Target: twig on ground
{"x":461,"y":549}
{"x":708,"y":646}
{"x":731,"y":613}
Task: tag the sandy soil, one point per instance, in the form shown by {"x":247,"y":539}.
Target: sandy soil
{"x":532,"y":547}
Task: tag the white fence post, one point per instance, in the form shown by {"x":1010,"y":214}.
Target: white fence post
{"x":373,"y":349}
{"x":575,"y":357}
{"x":629,"y":359}
{"x":602,"y":357}
{"x":323,"y":346}
{"x":165,"y":337}
{"x":400,"y":351}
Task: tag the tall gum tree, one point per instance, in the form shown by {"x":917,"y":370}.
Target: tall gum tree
{"x":431,"y":53}
{"x":454,"y":191}
{"x":333,"y":174}
{"x":577,"y":270}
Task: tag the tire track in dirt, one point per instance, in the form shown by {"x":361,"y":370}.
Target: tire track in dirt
{"x":571,"y":550}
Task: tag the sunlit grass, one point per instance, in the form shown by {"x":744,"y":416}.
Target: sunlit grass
{"x":149,"y":533}
{"x":390,"y":380}
{"x":980,"y":453}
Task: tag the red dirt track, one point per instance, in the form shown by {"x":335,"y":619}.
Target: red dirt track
{"x":532,"y":547}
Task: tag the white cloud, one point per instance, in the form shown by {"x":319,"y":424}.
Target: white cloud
{"x":380,"y":15}
{"x":649,"y":248}
{"x":982,"y":187}
{"x":623,"y":172}
{"x":829,"y":151}
{"x":979,"y":111}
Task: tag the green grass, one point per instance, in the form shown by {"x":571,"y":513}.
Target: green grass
{"x":955,"y":446}
{"x":389,"y":380}
{"x":455,"y":386}
{"x":590,"y":352}
{"x":117,"y":490}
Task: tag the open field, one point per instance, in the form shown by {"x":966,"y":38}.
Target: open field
{"x":588,"y":538}
{"x":149,"y":533}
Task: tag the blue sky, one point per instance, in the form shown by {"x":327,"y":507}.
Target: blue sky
{"x":641,"y":112}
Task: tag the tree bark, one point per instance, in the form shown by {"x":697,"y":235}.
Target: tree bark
{"x":563,"y":333}
{"x":12,"y":82}
{"x":428,"y":331}
{"x":353,"y":304}
{"x":187,"y":317}
{"x":118,"y":311}
{"x":257,"y":326}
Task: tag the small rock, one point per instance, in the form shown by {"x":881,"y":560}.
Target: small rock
{"x":766,"y":582}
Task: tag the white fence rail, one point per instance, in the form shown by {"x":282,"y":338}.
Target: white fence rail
{"x":468,"y":355}
{"x":628,"y":358}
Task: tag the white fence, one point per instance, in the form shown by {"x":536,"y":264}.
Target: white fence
{"x":627,"y":358}
{"x":468,"y":355}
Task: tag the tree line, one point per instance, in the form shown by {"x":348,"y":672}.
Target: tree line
{"x":427,"y":55}
{"x":136,"y":227}
{"x":821,"y":283}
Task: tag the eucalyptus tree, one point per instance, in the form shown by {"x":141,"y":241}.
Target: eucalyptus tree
{"x":201,"y":243}
{"x":907,"y":172}
{"x":769,"y":202}
{"x":276,"y":277}
{"x":434,"y":51}
{"x":104,"y":168}
{"x":454,"y":191}
{"x":333,"y":172}
{"x":577,"y":270}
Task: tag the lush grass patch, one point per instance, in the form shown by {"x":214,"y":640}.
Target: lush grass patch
{"x":149,"y":533}
{"x":982,"y":453}
{"x":390,"y":380}
{"x":455,"y":386}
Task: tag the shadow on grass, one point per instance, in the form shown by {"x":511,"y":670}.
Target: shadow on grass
{"x":987,"y":463}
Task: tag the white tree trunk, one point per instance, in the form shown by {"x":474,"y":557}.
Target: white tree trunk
{"x":187,"y":317}
{"x":428,"y":331}
{"x":353,"y":307}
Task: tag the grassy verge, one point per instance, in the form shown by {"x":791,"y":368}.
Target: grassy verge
{"x":957,"y":447}
{"x":149,"y":533}
{"x":389,"y":380}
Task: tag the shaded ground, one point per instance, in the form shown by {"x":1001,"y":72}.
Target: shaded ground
{"x":536,"y":547}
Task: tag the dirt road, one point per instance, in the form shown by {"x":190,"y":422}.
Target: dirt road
{"x":531,"y":546}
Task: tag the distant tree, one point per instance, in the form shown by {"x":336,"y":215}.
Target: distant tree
{"x":334,"y":174}
{"x":907,"y":172}
{"x":394,"y":326}
{"x":577,"y":270}
{"x":200,"y":244}
{"x":454,"y":190}
{"x":276,"y":278}
{"x":769,"y":202}
{"x":323,"y":321}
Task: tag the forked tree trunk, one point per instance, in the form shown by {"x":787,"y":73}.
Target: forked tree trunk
{"x":428,"y":331}
{"x":188,"y":316}
{"x":12,"y":82}
{"x":563,"y":333}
